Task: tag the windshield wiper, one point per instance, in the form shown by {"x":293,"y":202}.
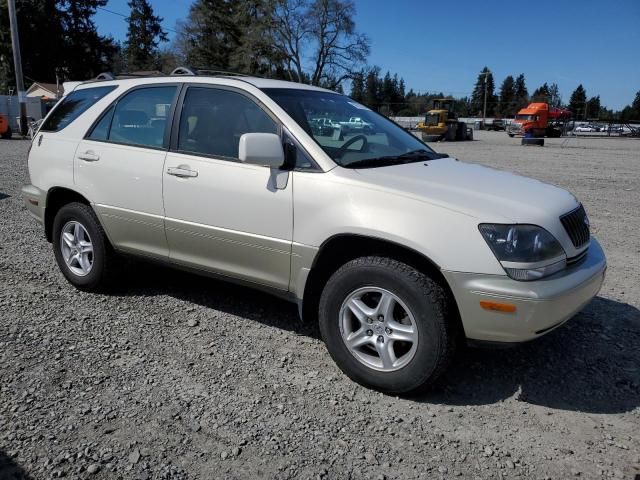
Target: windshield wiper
{"x":408,"y":157}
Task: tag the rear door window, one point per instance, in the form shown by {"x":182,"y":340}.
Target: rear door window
{"x":140,"y":117}
{"x":72,"y":106}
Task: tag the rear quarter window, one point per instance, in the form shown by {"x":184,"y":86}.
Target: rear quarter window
{"x":72,"y":106}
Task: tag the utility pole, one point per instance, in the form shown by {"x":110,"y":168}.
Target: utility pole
{"x":17,"y":62}
{"x":484,"y":110}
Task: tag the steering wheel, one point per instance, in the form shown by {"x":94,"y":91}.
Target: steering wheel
{"x":342,"y":150}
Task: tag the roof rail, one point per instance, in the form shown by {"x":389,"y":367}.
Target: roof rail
{"x":184,"y":71}
{"x":106,"y":76}
{"x":194,"y":71}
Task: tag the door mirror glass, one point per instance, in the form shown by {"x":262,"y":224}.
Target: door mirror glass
{"x":261,"y":149}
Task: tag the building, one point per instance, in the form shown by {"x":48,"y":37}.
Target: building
{"x":45,"y":91}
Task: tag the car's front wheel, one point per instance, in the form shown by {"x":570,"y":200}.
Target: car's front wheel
{"x":81,"y":247}
{"x":385,"y":324}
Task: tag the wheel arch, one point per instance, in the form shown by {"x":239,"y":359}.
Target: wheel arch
{"x":341,"y":248}
{"x":58,"y":197}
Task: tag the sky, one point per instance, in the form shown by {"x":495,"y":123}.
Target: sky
{"x":441,"y":46}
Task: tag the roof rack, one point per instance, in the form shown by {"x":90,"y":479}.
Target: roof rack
{"x":178,"y":71}
{"x":184,"y":71}
{"x":106,"y":76}
{"x":195,"y":71}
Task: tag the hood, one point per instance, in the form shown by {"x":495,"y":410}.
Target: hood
{"x":488,"y":194}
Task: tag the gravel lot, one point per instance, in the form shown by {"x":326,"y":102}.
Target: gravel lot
{"x":178,"y":376}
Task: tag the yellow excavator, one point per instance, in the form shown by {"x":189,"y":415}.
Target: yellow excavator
{"x":441,"y":123}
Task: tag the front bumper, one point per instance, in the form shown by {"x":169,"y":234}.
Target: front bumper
{"x":541,"y":305}
{"x":35,"y":200}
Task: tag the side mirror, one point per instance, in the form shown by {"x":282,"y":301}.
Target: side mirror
{"x":263,"y":149}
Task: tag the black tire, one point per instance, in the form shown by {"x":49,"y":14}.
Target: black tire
{"x":538,"y":142}
{"x":426,"y":300}
{"x":104,"y":258}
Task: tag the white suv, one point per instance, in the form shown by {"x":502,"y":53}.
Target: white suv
{"x":397,"y":251}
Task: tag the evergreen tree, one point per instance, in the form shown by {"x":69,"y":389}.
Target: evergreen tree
{"x":401,"y":89}
{"x":521,"y":95}
{"x":387,"y":94}
{"x":357,"y":87}
{"x":372,"y":89}
{"x":144,"y":34}
{"x":578,"y":102}
{"x":593,"y":107}
{"x":635,"y":106}
{"x":542,"y":94}
{"x":209,"y":35}
{"x":43,"y":57}
{"x":86,"y":53}
{"x":506,"y":102}
{"x":57,"y":37}
{"x":478,"y":95}
{"x":256,"y":53}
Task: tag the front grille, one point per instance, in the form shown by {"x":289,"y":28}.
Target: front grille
{"x":576,"y":223}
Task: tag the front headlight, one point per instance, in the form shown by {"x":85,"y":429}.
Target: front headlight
{"x":526,"y":252}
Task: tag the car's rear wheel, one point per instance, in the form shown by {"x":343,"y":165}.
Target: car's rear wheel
{"x":385,"y":324}
{"x":81,"y":247}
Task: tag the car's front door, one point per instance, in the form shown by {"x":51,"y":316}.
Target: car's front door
{"x":119,"y":167}
{"x":223,"y":215}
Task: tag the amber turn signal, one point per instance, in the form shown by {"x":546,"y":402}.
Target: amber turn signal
{"x":498,"y":307}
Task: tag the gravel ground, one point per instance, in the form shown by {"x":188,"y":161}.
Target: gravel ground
{"x":178,"y":376}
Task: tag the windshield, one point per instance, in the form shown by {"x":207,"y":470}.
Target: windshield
{"x":352,"y":135}
{"x":432,"y":119}
{"x":526,"y":117}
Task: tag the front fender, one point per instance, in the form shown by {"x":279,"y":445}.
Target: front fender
{"x":326,"y":205}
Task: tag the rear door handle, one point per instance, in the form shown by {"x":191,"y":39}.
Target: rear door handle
{"x":89,"y":156}
{"x":182,"y":171}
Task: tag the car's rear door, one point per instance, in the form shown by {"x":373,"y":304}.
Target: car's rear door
{"x":222,"y":215}
{"x":119,"y":165}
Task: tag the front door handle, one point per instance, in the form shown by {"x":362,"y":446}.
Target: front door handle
{"x":89,"y":156}
{"x":182,"y":171}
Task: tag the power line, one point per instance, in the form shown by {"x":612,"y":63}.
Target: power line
{"x":126,"y":16}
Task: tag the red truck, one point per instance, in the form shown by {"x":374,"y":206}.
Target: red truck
{"x":538,"y":120}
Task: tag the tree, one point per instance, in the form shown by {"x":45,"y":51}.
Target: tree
{"x":338,"y":47}
{"x":578,"y":102}
{"x":541,"y":94}
{"x":372,"y":89}
{"x":257,"y":52}
{"x":85,"y":52}
{"x":478,"y":95}
{"x":506,"y":102}
{"x":554,"y":93}
{"x":593,"y":107}
{"x":324,"y":32}
{"x":521,"y":95}
{"x":44,"y":17}
{"x":209,"y":35}
{"x":357,"y":87}
{"x":144,"y":34}
{"x":58,"y":39}
{"x":635,"y":107}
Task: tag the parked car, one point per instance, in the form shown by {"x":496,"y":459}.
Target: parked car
{"x":586,"y":128}
{"x":495,"y":125}
{"x":357,"y":123}
{"x":322,"y":126}
{"x":398,"y":252}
